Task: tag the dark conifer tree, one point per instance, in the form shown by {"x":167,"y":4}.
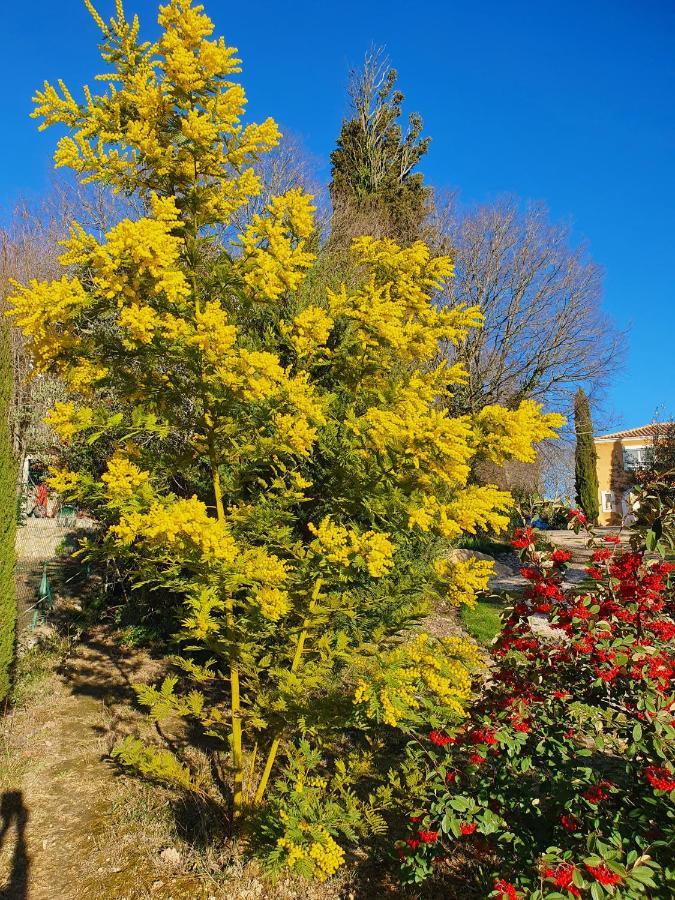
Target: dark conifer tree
{"x":585,"y":468}
{"x":373,"y":179}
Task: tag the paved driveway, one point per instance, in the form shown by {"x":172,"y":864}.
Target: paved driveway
{"x":567,"y":540}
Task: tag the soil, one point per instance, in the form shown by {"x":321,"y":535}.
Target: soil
{"x":62,"y":784}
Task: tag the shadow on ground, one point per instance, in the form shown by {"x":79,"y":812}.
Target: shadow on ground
{"x":14,"y":816}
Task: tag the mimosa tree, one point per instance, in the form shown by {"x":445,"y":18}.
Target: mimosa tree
{"x":283,"y":465}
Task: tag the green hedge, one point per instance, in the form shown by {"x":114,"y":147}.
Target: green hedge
{"x":7,"y":517}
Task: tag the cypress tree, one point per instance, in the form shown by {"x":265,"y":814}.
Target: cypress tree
{"x":585,"y":458}
{"x":7,"y":516}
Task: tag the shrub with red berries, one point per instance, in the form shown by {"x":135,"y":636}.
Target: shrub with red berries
{"x":561,"y":781}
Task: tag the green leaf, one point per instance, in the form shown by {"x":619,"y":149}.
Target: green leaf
{"x":447,"y":822}
{"x":596,"y":891}
{"x":578,"y":879}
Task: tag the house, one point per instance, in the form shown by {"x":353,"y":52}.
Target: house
{"x":619,"y":456}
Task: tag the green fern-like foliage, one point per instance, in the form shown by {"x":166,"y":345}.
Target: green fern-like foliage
{"x":154,"y":763}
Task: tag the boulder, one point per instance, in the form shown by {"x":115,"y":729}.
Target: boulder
{"x":462,"y":555}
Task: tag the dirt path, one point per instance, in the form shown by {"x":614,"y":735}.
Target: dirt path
{"x":60,"y":808}
{"x":59,"y":783}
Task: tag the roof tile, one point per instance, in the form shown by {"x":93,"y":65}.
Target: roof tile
{"x":641,"y":431}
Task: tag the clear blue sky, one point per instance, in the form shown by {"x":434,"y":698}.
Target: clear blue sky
{"x":570,"y":102}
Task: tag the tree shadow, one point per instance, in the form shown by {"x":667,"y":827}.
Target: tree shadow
{"x":13,"y":812}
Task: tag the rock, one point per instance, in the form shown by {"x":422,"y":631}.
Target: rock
{"x":170,"y":857}
{"x":462,"y":555}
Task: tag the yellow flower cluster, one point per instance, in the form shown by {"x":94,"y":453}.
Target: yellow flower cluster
{"x":183,"y":526}
{"x":68,"y":420}
{"x":294,"y":851}
{"x":392,"y":310}
{"x":344,"y":546}
{"x":513,"y":433}
{"x":392,"y":703}
{"x":378,"y":551}
{"x":135,"y":254}
{"x":274,"y":603}
{"x":477,"y":506}
{"x":415,"y":263}
{"x":55,"y":109}
{"x":261,"y":567}
{"x":416,"y":434}
{"x":190,"y":61}
{"x":465,"y":510}
{"x":174,"y":115}
{"x":257,"y":377}
{"x":334,"y":542}
{"x":214,"y":335}
{"x":84,"y":376}
{"x":310,"y":330}
{"x":274,"y":258}
{"x":42,"y":310}
{"x":199,"y":128}
{"x":123,"y":478}
{"x":63,"y":481}
{"x":255,"y":374}
{"x":293,"y":434}
{"x":183,"y":530}
{"x":464,"y":578}
{"x":140,"y":323}
{"x":400,"y":682}
{"x":326,"y":855}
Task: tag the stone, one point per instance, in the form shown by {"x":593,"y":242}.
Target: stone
{"x":462,"y":555}
{"x":170,"y":857}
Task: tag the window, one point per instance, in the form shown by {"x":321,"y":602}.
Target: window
{"x":636,"y":458}
{"x":608,"y":501}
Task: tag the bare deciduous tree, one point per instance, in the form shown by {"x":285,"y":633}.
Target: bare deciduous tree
{"x":545,"y":331}
{"x":28,"y":249}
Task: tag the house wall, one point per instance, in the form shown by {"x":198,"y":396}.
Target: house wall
{"x":612,"y":475}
